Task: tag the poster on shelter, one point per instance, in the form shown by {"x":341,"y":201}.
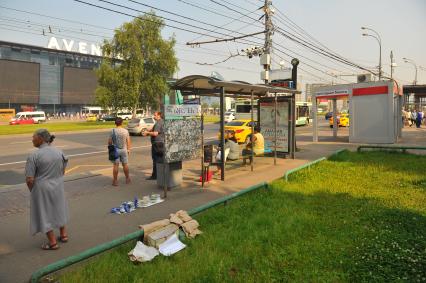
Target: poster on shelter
{"x":182,"y":139}
{"x":267,"y":125}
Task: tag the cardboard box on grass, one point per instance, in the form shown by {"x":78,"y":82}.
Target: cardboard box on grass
{"x":157,"y":237}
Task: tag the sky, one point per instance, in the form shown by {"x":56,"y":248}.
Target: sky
{"x":332,"y":25}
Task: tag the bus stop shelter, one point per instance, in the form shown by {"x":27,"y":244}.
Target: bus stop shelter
{"x":209,"y":86}
{"x":375,"y":110}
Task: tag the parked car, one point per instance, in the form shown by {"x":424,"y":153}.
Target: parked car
{"x":125,"y":115}
{"x":241,"y":128}
{"x":137,"y":126}
{"x":342,"y":120}
{"x":108,"y":117}
{"x":229,"y":116}
{"x":91,"y":118}
{"x":22,"y":121}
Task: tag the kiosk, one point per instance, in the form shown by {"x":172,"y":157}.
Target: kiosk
{"x":374,"y":110}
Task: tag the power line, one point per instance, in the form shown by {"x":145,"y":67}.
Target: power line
{"x":56,"y":18}
{"x":225,"y":39}
{"x":172,"y":20}
{"x":217,"y":13}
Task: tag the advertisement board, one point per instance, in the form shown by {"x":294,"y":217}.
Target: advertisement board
{"x":186,"y":110}
{"x":267,"y":124}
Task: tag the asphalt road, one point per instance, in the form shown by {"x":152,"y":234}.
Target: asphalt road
{"x":87,"y":151}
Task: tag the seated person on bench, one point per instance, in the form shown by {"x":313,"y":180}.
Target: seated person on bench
{"x":258,"y":145}
{"x":232,"y":150}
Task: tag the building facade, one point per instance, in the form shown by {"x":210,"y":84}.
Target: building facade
{"x":37,"y":78}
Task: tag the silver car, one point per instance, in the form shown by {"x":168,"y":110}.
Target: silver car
{"x":137,"y":126}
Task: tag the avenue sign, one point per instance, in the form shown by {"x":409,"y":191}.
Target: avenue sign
{"x":71,"y":45}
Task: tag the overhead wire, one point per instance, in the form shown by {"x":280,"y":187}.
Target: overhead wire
{"x":167,"y":24}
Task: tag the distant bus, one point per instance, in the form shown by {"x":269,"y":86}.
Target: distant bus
{"x":303,"y":111}
{"x":243,"y":109}
{"x":92,"y":110}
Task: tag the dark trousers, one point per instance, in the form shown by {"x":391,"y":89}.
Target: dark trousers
{"x":247,"y":155}
{"x":155,"y":158}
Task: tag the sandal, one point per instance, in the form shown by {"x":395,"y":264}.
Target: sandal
{"x":63,"y":239}
{"x":50,"y":247}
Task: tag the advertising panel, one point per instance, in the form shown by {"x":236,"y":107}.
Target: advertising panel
{"x":267,"y":124}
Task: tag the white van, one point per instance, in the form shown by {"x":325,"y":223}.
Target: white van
{"x":125,"y":115}
{"x":37,"y":116}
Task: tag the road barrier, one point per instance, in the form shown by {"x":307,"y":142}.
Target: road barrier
{"x":391,"y":147}
{"x":35,"y":277}
{"x":308,"y":165}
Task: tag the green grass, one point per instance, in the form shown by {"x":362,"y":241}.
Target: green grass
{"x":360,"y":217}
{"x":208,"y":119}
{"x":54,"y":127}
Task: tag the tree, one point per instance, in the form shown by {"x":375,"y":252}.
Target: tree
{"x":137,"y":62}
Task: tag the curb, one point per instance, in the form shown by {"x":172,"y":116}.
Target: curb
{"x":308,"y":165}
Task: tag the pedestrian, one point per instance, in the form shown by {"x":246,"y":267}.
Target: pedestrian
{"x":419,"y":119}
{"x":157,"y":143}
{"x":413,"y":117}
{"x":120,"y":138}
{"x":408,"y":117}
{"x":258,"y":145}
{"x":44,"y":173}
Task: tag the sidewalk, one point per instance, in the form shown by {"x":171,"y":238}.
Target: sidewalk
{"x":91,"y":197}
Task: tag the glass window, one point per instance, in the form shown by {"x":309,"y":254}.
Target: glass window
{"x":235,"y":123}
{"x":243,"y":108}
{"x":148,"y":120}
{"x":134,"y":120}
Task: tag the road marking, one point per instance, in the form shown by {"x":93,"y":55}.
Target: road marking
{"x":78,"y":166}
{"x":72,"y":155}
{"x":20,"y":142}
{"x":85,"y":153}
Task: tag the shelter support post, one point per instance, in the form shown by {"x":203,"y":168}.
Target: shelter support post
{"x":203,"y":174}
{"x":315,"y":117}
{"x":222,"y":134}
{"x":252,"y":131}
{"x":335,"y":125}
{"x":165,"y":173}
{"x":275,"y":129}
{"x":293,"y":126}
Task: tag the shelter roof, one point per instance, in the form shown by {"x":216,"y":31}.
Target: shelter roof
{"x":210,"y":86}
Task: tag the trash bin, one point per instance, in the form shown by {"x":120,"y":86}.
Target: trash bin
{"x":171,"y":172}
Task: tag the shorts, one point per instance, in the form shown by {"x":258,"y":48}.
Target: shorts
{"x":122,"y":156}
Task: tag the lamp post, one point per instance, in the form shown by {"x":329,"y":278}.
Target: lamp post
{"x":379,"y":40}
{"x":406,"y":60}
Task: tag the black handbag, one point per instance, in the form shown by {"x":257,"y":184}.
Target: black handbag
{"x":112,"y":149}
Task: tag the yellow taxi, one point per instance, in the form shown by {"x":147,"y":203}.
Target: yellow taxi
{"x":91,"y":118}
{"x":241,"y":128}
{"x":342,"y":120}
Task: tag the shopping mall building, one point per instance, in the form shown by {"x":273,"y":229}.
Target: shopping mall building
{"x":60,"y":78}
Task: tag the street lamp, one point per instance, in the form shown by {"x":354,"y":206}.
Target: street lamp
{"x":379,"y":40}
{"x":406,"y":60}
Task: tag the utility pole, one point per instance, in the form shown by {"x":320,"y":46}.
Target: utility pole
{"x":392,"y":64}
{"x":265,"y":59}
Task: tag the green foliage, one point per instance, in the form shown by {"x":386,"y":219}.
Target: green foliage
{"x":360,"y":217}
{"x":137,"y":62}
{"x":54,"y":127}
{"x":204,"y":105}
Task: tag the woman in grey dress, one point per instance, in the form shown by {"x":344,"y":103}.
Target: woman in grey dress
{"x":44,"y":173}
